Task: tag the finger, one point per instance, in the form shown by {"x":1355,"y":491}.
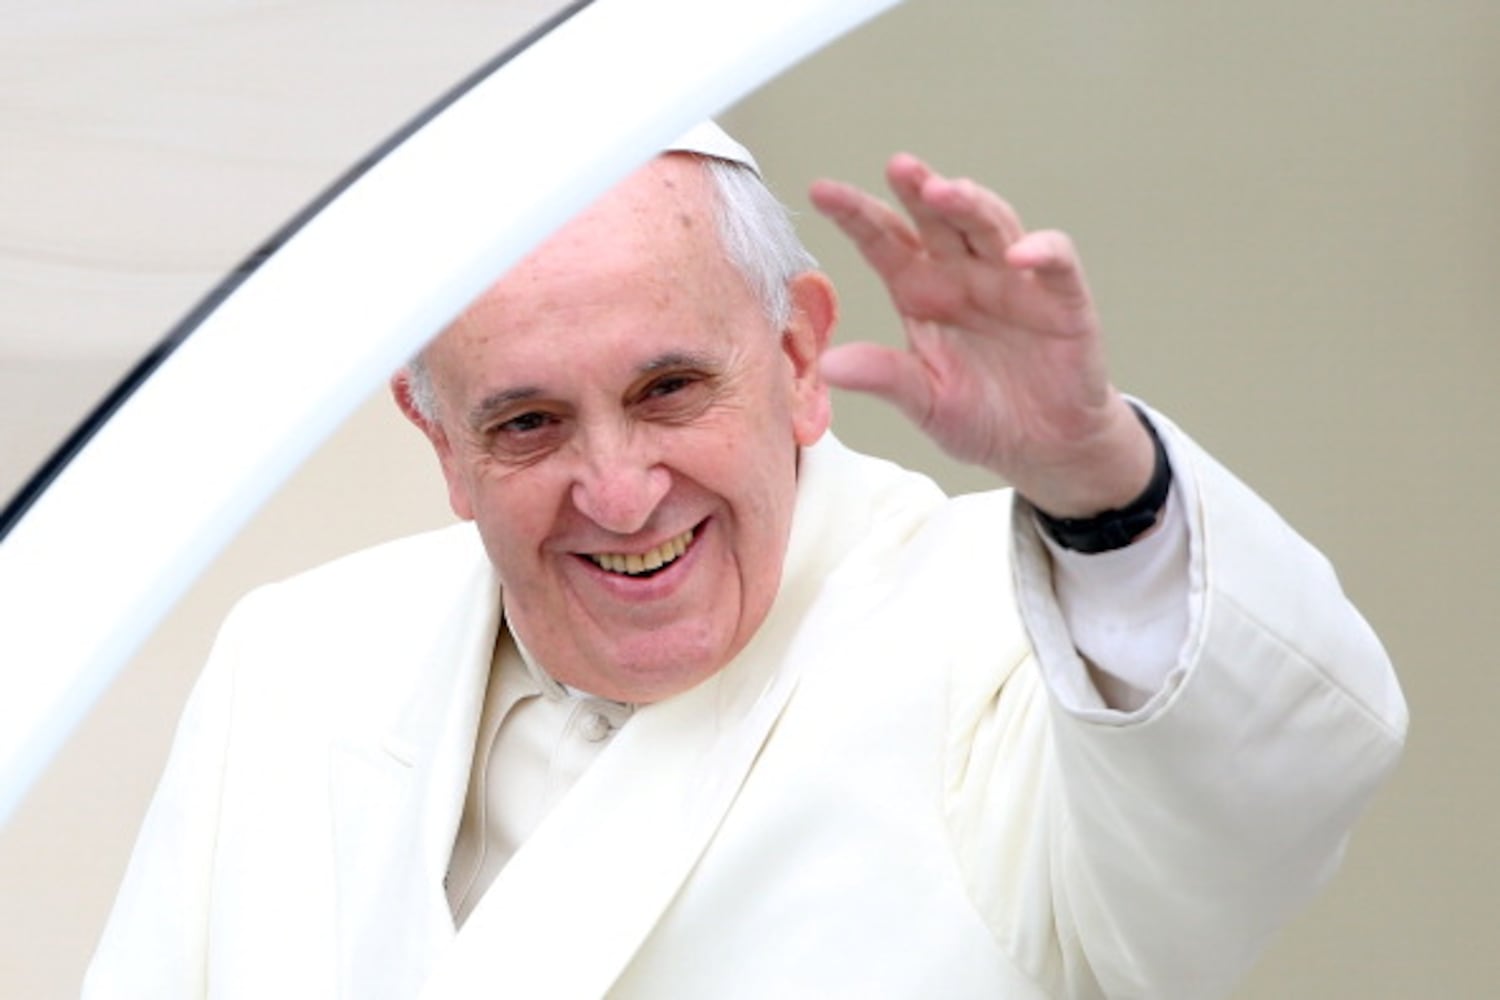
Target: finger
{"x":956,"y":213}
{"x":1052,"y":257}
{"x":884,"y":238}
{"x":989,"y":224}
{"x":911,"y":180}
{"x":893,"y":375}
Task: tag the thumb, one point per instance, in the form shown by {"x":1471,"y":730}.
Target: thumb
{"x":893,"y":375}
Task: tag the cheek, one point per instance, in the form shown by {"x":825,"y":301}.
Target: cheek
{"x":460,"y":496}
{"x":761,"y":475}
{"x":745,"y":467}
{"x":515,"y":515}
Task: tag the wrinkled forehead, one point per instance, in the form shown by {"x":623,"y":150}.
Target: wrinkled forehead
{"x":658,"y":222}
{"x":670,"y":193}
{"x":651,"y":240}
{"x":672,"y":188}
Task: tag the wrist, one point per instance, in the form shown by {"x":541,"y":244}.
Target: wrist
{"x":1116,"y":526}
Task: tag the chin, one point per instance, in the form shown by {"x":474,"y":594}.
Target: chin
{"x":660,"y":673}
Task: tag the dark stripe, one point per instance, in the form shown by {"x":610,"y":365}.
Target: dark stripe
{"x":32,"y":491}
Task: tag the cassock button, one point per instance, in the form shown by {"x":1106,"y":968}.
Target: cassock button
{"x":596,"y":727}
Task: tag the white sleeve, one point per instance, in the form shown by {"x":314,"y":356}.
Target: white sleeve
{"x":1180,"y":834}
{"x":1127,"y":612}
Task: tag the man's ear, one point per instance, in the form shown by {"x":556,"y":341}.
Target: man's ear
{"x":815,"y":309}
{"x":432,"y":429}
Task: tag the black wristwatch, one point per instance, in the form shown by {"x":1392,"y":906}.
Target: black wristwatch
{"x":1115,"y":529}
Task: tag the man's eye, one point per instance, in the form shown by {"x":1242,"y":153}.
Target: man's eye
{"x":525,"y":423}
{"x":667,"y":386}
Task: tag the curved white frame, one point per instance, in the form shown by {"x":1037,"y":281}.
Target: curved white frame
{"x":127,"y":526}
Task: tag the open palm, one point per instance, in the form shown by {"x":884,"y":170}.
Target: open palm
{"x":1004,"y":365}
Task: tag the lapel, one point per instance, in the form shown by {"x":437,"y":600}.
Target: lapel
{"x":566,"y":915}
{"x":397,"y":793}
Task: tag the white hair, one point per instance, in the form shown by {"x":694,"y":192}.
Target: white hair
{"x":758,"y":238}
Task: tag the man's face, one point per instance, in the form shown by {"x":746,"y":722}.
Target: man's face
{"x":622,"y":423}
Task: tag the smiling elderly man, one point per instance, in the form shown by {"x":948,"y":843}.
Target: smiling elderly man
{"x":710,"y":706}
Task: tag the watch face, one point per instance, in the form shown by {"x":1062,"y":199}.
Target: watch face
{"x":172,"y":346}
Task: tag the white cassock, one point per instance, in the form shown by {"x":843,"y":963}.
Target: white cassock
{"x":896,"y":790}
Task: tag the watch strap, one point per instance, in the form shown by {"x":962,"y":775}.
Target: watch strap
{"x":1117,"y":528}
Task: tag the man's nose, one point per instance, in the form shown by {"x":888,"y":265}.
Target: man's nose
{"x":618,"y":483}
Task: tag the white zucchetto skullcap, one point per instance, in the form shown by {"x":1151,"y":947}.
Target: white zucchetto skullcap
{"x":708,"y":139}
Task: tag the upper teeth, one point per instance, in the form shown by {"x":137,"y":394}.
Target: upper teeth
{"x":642,"y":562}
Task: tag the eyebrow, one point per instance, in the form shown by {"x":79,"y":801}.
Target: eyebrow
{"x":677,"y":359}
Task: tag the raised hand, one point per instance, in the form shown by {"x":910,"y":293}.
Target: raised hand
{"x":1004,"y":365}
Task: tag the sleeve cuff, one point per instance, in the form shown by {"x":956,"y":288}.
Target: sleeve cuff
{"x":1111,"y":629}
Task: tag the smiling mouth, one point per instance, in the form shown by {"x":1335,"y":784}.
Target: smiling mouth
{"x":643,"y":563}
